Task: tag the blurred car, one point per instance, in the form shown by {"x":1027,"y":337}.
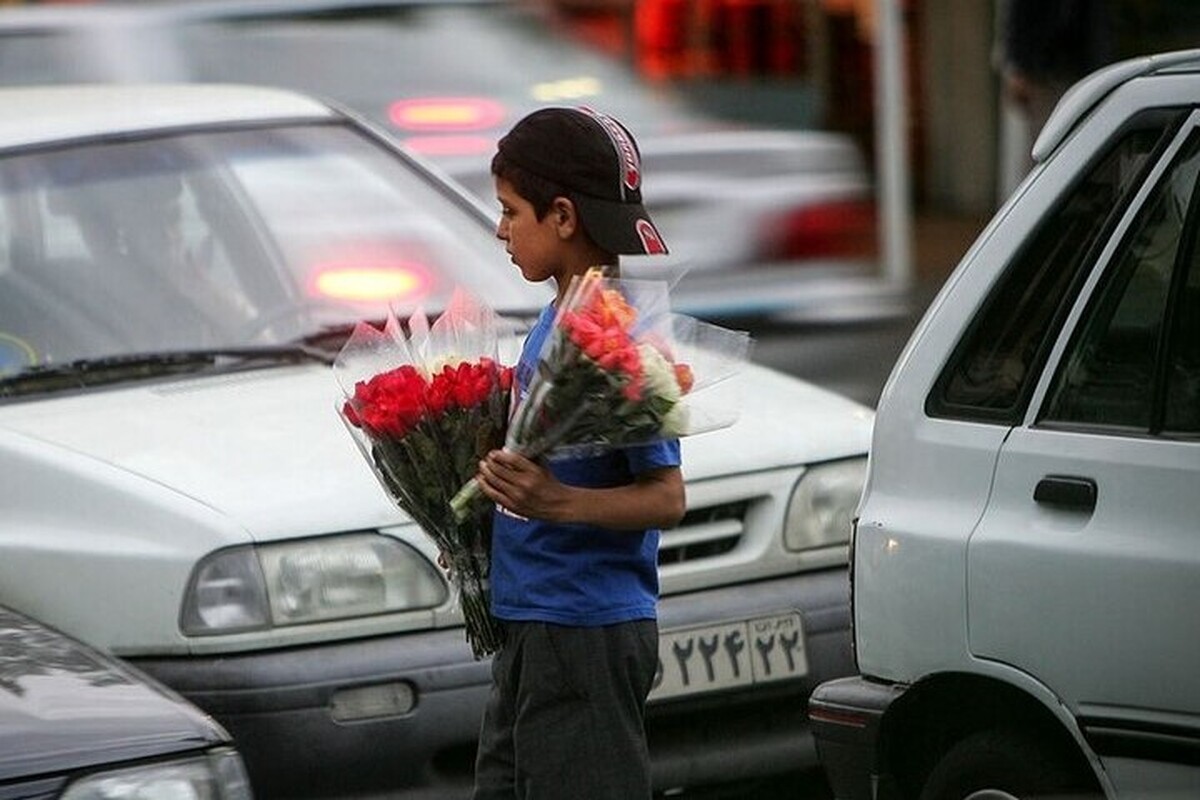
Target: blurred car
{"x":762,"y":223}
{"x":76,"y":724}
{"x":178,"y":266}
{"x":1026,"y":560}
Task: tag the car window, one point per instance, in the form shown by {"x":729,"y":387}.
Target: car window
{"x":230,"y":238}
{"x":1137,"y":363}
{"x":1182,"y":405}
{"x":132,"y":250}
{"x":990,"y":373}
{"x":1108,"y":377}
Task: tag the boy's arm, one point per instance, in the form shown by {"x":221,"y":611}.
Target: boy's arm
{"x":655,"y":499}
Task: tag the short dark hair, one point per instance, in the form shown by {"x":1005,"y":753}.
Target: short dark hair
{"x":538,"y":191}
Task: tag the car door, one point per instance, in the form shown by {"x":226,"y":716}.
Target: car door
{"x":1084,"y":571}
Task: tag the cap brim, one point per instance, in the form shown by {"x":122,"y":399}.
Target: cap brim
{"x":620,"y":228}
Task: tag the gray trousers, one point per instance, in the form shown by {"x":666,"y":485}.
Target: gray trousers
{"x":565,"y":715}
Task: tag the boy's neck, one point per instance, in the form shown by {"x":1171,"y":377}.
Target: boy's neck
{"x":564,"y":282}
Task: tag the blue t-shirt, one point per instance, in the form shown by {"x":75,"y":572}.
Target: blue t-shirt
{"x":574,"y":574}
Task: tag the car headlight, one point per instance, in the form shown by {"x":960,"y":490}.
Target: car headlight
{"x":217,"y":776}
{"x":822,"y":506}
{"x":291,"y":583}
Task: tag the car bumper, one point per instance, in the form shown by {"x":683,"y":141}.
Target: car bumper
{"x":846,"y":716}
{"x":280,"y":705}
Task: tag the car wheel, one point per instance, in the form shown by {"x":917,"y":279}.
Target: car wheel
{"x":1001,"y":765}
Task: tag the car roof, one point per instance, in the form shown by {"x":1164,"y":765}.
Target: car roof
{"x":1087,"y":93}
{"x":39,"y":115}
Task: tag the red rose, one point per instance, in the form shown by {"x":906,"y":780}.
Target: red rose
{"x":438,"y":397}
{"x":463,"y":388}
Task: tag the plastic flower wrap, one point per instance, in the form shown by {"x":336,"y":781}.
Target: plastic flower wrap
{"x":619,"y":369}
{"x":424,"y":408}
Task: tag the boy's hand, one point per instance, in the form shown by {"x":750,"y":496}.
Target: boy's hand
{"x":521,"y":486}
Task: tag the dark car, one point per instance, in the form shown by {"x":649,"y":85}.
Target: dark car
{"x":79,"y":725}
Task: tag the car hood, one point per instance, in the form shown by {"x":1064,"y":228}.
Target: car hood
{"x":266,"y":453}
{"x":63,"y":707}
{"x":262,"y":452}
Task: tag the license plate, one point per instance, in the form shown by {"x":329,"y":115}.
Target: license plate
{"x":713,"y":657}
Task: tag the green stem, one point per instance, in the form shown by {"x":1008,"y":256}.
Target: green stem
{"x":461,"y":503}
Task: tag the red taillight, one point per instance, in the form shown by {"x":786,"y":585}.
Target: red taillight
{"x":448,"y":126}
{"x":445,"y":114}
{"x":837,"y":229}
{"x":838,"y":716}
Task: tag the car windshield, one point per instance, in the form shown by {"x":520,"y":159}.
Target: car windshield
{"x":228,"y":238}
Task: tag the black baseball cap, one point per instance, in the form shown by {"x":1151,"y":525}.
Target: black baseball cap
{"x":596,"y":160}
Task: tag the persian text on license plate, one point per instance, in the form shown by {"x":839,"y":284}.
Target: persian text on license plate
{"x":712,"y":657}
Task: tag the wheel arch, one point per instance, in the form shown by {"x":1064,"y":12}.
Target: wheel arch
{"x":941,"y":710}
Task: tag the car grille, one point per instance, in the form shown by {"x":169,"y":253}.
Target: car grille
{"x":704,"y":533}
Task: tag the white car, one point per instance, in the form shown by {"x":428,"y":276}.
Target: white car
{"x":762,"y":223}
{"x":1026,"y":570}
{"x":178,"y":489}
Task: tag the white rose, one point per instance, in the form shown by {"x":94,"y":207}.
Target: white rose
{"x":659,"y":374}
{"x":675,"y":423}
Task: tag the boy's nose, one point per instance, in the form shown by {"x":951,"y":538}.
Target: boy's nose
{"x":502,"y":230}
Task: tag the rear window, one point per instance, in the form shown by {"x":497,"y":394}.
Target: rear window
{"x":991,"y":372}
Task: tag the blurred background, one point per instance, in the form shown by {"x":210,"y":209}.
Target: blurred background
{"x":760,"y":121}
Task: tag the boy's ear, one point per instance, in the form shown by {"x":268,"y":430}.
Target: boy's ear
{"x":565,"y":217}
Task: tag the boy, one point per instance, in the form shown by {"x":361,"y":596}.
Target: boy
{"x":575,"y":541}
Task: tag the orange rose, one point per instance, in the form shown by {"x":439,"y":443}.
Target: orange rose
{"x":684,"y":377}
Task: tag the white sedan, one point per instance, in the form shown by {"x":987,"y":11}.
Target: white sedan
{"x":178,"y":266}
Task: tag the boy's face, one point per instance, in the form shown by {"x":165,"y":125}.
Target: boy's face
{"x":533,"y":245}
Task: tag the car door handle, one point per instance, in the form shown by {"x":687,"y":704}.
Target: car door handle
{"x":1066,"y":491}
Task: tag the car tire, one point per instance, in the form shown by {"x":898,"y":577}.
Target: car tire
{"x":1003,"y":765}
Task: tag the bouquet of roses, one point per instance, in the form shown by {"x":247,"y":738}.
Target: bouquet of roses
{"x":618,"y":369}
{"x":424,"y":408}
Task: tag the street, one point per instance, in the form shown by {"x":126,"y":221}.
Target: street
{"x":793,"y":786}
{"x":852,"y":359}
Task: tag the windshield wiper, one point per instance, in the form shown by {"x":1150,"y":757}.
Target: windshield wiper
{"x":86,"y":372}
{"x":337,"y":334}
{"x":329,"y":336}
